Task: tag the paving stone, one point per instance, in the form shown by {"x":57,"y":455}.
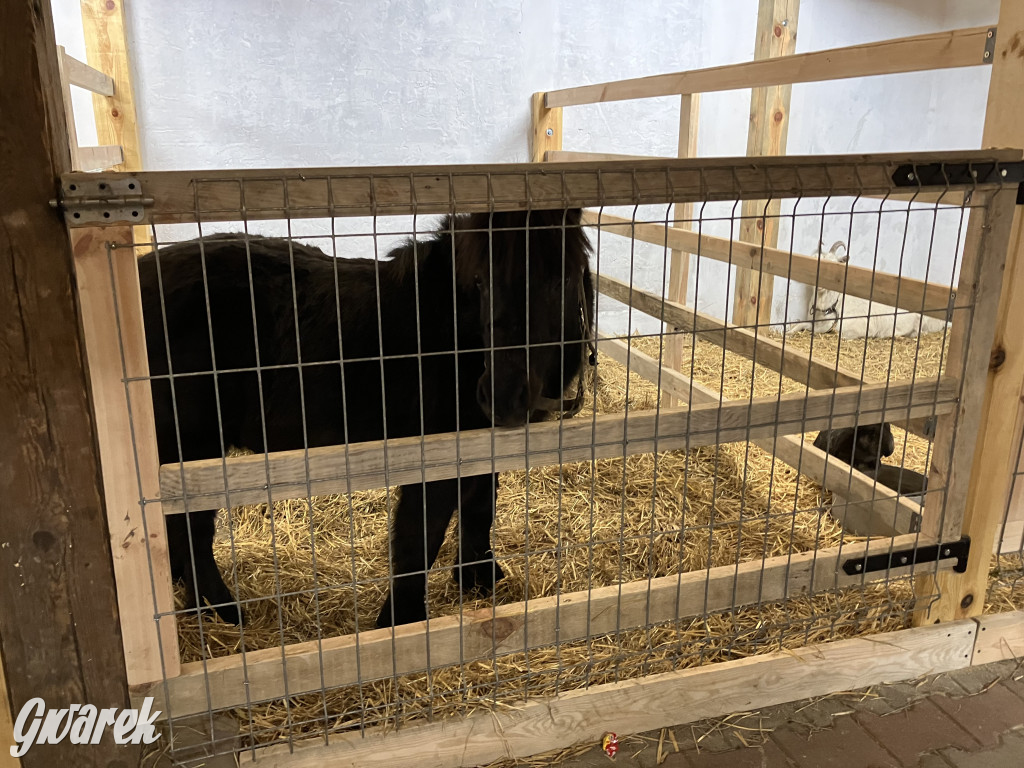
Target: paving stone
{"x":985,"y":716}
{"x":933,"y":761}
{"x":767,"y":755}
{"x":1009,"y":753}
{"x":887,"y":699}
{"x":975,"y":680}
{"x":820,"y":713}
{"x":1015,"y":682}
{"x":845,"y":745}
{"x":922,"y":728}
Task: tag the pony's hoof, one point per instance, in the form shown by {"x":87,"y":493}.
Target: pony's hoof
{"x":231,"y":613}
{"x":478,"y":577}
{"x":402,"y":616}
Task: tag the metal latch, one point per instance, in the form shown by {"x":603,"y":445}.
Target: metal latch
{"x":990,"y":46}
{"x":103,"y":201}
{"x":901,"y":558}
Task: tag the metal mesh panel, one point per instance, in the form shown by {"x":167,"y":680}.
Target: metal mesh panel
{"x":357,"y":392}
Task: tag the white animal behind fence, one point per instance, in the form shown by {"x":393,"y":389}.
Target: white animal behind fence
{"x":857,"y":318}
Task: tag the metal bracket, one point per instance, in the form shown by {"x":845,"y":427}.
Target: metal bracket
{"x":990,"y":46}
{"x":103,"y":201}
{"x":901,"y":558}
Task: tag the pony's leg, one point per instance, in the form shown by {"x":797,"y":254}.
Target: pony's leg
{"x":476,"y":567}
{"x":413,"y":549}
{"x":207,"y":580}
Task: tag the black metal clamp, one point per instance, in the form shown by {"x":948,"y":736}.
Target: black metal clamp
{"x":901,"y":558}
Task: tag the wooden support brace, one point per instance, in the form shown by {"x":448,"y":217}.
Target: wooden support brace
{"x":769,"y":127}
{"x":545,"y":129}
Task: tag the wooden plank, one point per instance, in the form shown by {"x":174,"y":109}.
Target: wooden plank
{"x":111,"y":311}
{"x":7,"y":760}
{"x":679,"y":266}
{"x":81,"y":74}
{"x":896,"y":290}
{"x":633,"y":706}
{"x":1009,"y":538}
{"x":283,"y":475}
{"x":1001,"y":353}
{"x":870,"y":508}
{"x":487,"y":633}
{"x":572,"y":156}
{"x":792,"y":363}
{"x":99,"y":158}
{"x":106,"y":49}
{"x":766,"y":135}
{"x":221,"y":195}
{"x":69,"y":109}
{"x":938,"y":50}
{"x":545,"y":129}
{"x":60,"y":637}
{"x":1000,"y":637}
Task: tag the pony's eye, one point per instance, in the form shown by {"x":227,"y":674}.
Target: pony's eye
{"x":479,"y":281}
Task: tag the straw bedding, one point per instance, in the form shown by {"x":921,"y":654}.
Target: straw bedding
{"x":565,"y":529}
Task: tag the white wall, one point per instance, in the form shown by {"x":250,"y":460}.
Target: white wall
{"x":268,"y":83}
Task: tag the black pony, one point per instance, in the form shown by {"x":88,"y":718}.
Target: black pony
{"x":479,"y":282}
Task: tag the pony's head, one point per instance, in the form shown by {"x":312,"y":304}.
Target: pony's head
{"x":824,"y":308}
{"x":531,"y":274}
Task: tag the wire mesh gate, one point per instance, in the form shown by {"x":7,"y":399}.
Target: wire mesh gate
{"x":675,"y":515}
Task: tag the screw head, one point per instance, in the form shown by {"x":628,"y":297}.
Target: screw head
{"x":550,"y":132}
{"x":911,"y":177}
{"x":858,"y":567}
{"x":989,"y":34}
{"x":1003,"y":173}
{"x":988,"y":54}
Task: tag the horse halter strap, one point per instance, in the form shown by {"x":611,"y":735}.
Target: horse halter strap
{"x":567,"y":408}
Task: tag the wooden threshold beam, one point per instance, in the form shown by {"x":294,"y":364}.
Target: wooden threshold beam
{"x":937,"y":50}
{"x":633,"y":706}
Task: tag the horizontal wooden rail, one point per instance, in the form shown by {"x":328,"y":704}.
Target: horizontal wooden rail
{"x":81,"y":74}
{"x":99,"y":158}
{"x":869,"y":509}
{"x":938,"y":50}
{"x":628,"y":707}
{"x":757,"y":347}
{"x":567,"y":156}
{"x":237,"y":195}
{"x":216,"y":483}
{"x":881,"y":287}
{"x":258,"y":676}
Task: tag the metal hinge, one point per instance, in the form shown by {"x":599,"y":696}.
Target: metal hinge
{"x":103,"y":201}
{"x":990,"y":46}
{"x":901,"y":558}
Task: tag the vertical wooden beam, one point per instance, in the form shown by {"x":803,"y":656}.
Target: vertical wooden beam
{"x":59,"y":626}
{"x":545,"y":128}
{"x":106,"y":49}
{"x":769,"y":126}
{"x":963,"y":595}
{"x":111,"y":309}
{"x":7,"y":760}
{"x":679,"y":269}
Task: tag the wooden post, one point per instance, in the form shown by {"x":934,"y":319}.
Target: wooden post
{"x":7,"y":760}
{"x":963,"y":595}
{"x":769,"y":126}
{"x":59,"y":625}
{"x":679,"y":270}
{"x":106,"y":48}
{"x":545,"y":128}
{"x":127,"y":437}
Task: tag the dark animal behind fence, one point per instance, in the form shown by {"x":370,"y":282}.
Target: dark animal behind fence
{"x":863,"y":446}
{"x":270,"y":300}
